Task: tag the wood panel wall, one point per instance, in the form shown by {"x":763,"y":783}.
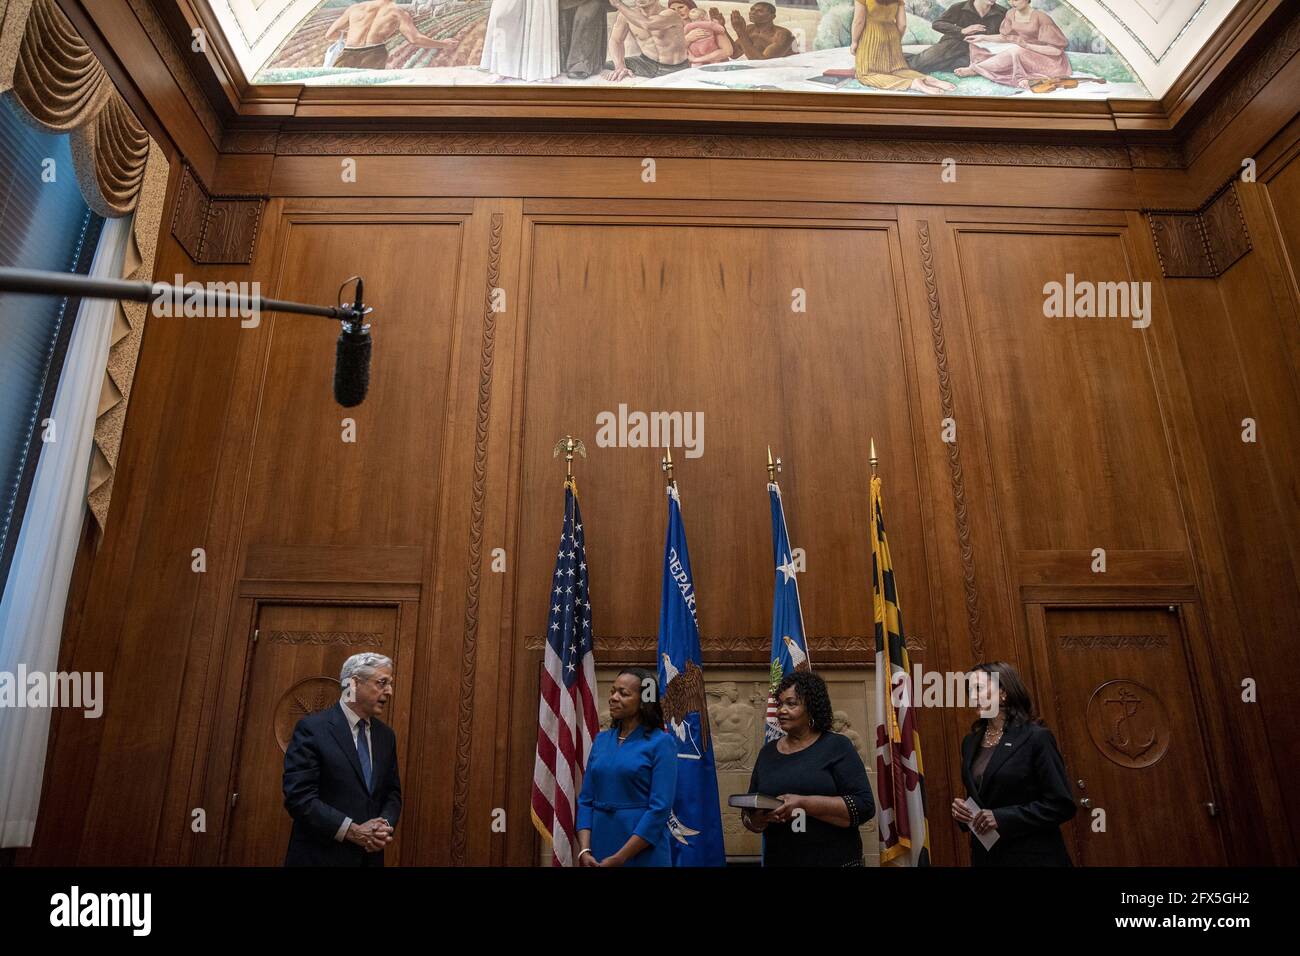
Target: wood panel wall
{"x":924,"y":305}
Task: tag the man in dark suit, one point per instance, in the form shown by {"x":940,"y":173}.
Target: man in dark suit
{"x":340,"y":773}
{"x":959,"y":21}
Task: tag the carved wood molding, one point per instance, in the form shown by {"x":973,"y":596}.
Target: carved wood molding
{"x":174,"y":55}
{"x":249,"y":141}
{"x":681,"y":146}
{"x":215,"y":229}
{"x":469,"y":643}
{"x":752,"y":645}
{"x":1203,"y":243}
{"x":955,"y":473}
{"x":1284,"y":45}
{"x":325,"y":638}
{"x":1090,"y":642}
{"x":1153,"y":156}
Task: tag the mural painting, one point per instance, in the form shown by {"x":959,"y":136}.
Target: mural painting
{"x":1032,"y":48}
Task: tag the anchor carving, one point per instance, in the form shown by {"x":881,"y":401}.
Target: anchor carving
{"x":1122,"y":733}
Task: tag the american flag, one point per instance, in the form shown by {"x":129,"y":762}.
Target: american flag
{"x":567,"y":720}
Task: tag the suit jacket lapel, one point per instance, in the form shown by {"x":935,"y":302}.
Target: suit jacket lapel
{"x":1011,"y":740}
{"x":343,"y":734}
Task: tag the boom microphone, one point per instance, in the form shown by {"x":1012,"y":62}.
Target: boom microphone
{"x":352,"y":356}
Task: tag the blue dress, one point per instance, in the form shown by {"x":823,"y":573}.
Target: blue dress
{"x":629,"y":788}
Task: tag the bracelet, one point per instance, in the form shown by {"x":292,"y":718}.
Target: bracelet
{"x":587,"y":850}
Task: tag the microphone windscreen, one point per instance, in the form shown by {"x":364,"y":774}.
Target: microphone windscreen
{"x":351,"y":368}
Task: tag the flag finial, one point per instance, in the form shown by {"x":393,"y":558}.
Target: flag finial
{"x":873,"y":459}
{"x":568,"y":444}
{"x":667,"y":464}
{"x":773,"y":467}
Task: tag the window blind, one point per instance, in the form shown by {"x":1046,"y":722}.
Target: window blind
{"x":44,"y":224}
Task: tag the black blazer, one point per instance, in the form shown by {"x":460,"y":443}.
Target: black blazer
{"x":1026,"y":787}
{"x":323,"y":785}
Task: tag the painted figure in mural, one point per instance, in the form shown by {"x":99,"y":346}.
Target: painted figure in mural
{"x":522,"y":39}
{"x":959,"y":21}
{"x":1029,"y":47}
{"x":368,"y":26}
{"x":583,"y":30}
{"x":658,"y":32}
{"x":760,"y":38}
{"x":877,"y":45}
{"x":706,"y":41}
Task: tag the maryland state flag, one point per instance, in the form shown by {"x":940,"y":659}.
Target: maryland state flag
{"x":900,"y":775}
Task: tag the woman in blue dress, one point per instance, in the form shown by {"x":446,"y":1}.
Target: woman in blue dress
{"x":627,"y":793}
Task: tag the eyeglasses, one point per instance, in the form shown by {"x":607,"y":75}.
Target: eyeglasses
{"x":384,"y":683}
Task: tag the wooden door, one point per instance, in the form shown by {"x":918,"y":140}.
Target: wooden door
{"x":1126,"y":719}
{"x":294,"y":670}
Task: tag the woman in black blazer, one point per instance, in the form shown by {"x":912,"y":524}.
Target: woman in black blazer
{"x":1013,"y":770}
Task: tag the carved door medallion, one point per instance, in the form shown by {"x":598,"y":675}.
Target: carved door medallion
{"x":1128,"y":723}
{"x":303,"y":698}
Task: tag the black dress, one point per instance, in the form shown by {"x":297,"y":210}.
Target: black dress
{"x":830,"y":767}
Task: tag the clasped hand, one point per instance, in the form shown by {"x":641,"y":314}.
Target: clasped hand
{"x":372,"y":836}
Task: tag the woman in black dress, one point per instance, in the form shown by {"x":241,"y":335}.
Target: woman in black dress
{"x":1014,"y":772}
{"x":819,"y":778}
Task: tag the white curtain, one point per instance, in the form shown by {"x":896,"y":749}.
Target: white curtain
{"x":31,"y":612}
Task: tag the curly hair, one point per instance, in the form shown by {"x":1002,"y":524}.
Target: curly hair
{"x":812,"y":693}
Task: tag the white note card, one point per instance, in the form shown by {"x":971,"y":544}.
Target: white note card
{"x":988,"y":839}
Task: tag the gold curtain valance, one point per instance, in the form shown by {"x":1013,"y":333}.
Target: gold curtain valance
{"x":62,"y":87}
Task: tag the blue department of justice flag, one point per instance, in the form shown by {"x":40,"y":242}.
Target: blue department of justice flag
{"x":789,"y":646}
{"x":696,"y":821}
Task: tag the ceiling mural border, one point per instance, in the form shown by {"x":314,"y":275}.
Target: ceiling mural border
{"x":267,"y":27}
{"x":1157,"y":60}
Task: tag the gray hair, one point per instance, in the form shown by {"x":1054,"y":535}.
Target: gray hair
{"x":362,"y":665}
